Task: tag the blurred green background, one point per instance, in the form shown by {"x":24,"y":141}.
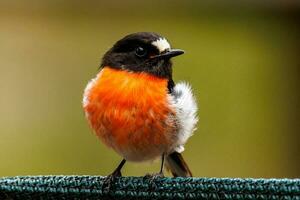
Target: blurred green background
{"x":242,"y":59}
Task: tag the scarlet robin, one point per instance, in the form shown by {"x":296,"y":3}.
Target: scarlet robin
{"x":134,"y":106}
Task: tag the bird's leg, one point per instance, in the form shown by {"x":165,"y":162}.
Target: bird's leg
{"x":117,"y":171}
{"x":160,"y":173}
{"x":110,"y":178}
{"x":162,"y":165}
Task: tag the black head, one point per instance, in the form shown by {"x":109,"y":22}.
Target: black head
{"x":142,"y":52}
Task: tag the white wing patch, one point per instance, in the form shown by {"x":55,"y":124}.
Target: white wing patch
{"x":183,"y":100}
{"x":161,"y":44}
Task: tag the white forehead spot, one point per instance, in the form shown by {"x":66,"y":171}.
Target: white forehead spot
{"x":162,"y":44}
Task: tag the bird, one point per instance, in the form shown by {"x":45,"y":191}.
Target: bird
{"x":135,"y":108}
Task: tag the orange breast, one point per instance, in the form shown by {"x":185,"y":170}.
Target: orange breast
{"x":130,"y":113}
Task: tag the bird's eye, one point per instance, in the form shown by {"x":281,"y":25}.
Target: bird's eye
{"x":140,"y":51}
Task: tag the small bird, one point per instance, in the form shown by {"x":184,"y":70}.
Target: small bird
{"x":134,"y":106}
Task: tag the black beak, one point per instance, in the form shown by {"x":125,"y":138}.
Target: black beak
{"x":170,"y":53}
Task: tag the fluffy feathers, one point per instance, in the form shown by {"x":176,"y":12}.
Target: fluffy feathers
{"x":183,"y":100}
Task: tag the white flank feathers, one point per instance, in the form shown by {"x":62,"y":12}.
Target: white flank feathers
{"x":183,"y":100}
{"x":87,"y":89}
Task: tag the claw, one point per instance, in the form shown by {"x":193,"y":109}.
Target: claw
{"x":109,"y":180}
{"x":152,"y":178}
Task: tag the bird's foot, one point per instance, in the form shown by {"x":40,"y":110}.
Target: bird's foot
{"x":155,"y":175}
{"x":152,"y":179}
{"x":109,"y":180}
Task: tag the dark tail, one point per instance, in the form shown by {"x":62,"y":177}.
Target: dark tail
{"x":177,"y":166}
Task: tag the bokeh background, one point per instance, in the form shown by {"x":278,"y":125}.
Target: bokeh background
{"x":242,"y":58}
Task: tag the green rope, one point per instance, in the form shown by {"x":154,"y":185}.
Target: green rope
{"x":90,"y":187}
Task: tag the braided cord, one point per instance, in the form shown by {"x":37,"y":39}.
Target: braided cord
{"x":90,"y":187}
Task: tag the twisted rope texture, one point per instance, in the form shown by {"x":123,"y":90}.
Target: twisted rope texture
{"x":90,"y":187}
